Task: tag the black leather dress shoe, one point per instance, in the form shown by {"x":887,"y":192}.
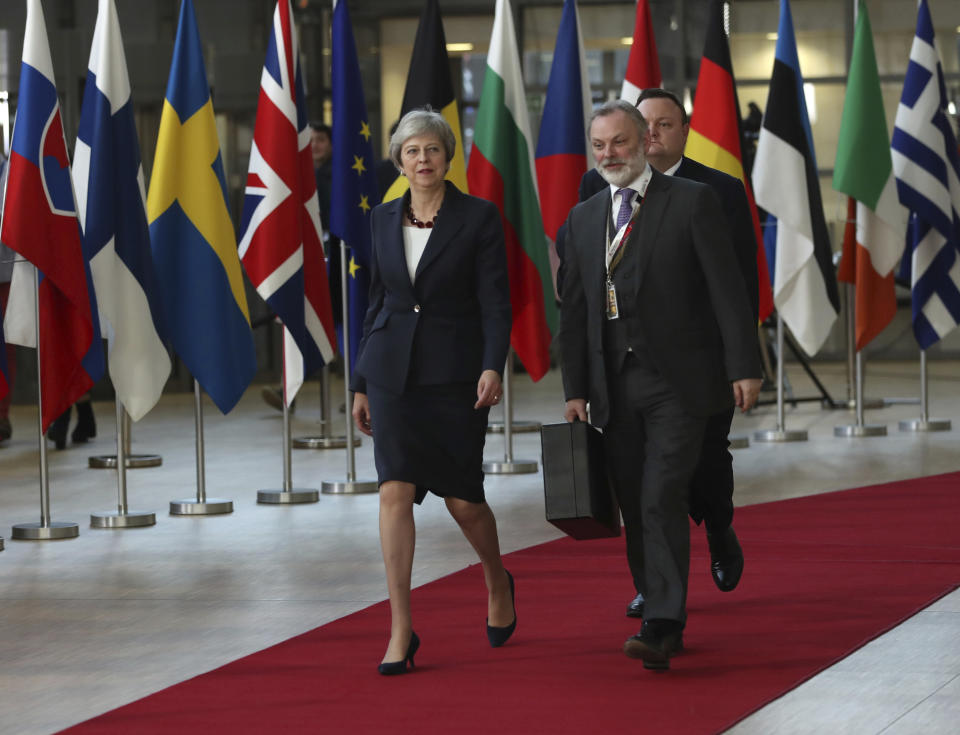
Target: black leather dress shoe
{"x":656,"y":642}
{"x":635,"y":608}
{"x":726,"y":559}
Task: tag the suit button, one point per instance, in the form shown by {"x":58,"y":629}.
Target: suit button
{"x":416,"y":308}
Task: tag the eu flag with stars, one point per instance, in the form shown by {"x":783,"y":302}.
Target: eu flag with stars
{"x":354,"y":182}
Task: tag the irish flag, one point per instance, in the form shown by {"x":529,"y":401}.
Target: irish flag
{"x":864,"y":171}
{"x":501,"y":170}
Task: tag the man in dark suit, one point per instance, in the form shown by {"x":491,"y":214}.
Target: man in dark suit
{"x":711,"y":489}
{"x":656,"y":332}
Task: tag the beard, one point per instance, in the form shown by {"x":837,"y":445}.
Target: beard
{"x":632,"y":168}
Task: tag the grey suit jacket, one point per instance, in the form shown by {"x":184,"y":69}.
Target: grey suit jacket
{"x":693,"y":306}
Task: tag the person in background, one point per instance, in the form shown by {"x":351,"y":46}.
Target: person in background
{"x":435,"y":339}
{"x":656,"y":332}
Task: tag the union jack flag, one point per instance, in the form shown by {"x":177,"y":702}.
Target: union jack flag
{"x":281,"y":244}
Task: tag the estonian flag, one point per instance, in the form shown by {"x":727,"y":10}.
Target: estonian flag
{"x":786,"y":185}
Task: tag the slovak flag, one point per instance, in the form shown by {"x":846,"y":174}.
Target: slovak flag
{"x":40,"y":223}
{"x":281,"y":244}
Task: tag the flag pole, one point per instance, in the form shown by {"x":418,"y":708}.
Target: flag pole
{"x":509,"y":465}
{"x":122,"y":517}
{"x":780,"y":434}
{"x":201,"y":505}
{"x":350,"y":486}
{"x":46,"y":529}
{"x":133,"y":461}
{"x":288,"y":494}
{"x":859,"y":428}
{"x":924,"y":423}
{"x":324,"y":440}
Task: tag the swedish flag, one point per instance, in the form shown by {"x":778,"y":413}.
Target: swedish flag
{"x":191,"y":233}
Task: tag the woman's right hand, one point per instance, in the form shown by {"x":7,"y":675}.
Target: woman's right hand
{"x":361,"y":413}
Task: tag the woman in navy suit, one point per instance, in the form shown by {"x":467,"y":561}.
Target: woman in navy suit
{"x":435,"y":340}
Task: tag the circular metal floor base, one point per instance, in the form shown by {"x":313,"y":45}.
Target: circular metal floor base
{"x":193,"y":507}
{"x":36,"y":532}
{"x":116,"y":519}
{"x":323,"y":442}
{"x":780,"y":435}
{"x":134,"y":461}
{"x":514,"y":467}
{"x":282,"y":497}
{"x":349,"y":487}
{"x":852,"y":430}
{"x":739,"y":442}
{"x":517,"y":427}
{"x":928,"y":425}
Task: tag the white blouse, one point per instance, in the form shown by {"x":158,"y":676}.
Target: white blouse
{"x":414,"y":243}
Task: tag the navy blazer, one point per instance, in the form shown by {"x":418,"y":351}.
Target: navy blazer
{"x":693,"y":306}
{"x":733,"y":199}
{"x":453,"y":321}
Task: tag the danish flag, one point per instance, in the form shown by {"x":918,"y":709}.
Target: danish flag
{"x":281,"y":244}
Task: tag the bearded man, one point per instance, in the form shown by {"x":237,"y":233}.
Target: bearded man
{"x":656,"y":333}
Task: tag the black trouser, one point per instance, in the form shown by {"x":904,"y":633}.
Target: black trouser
{"x":711,"y":489}
{"x":652,"y":446}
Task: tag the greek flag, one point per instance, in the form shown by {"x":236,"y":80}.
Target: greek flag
{"x":927,"y":170}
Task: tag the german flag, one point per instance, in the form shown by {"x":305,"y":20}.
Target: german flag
{"x":429,"y":83}
{"x":715,"y":135}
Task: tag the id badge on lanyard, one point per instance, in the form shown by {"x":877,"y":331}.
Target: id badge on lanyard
{"x":614,"y":255}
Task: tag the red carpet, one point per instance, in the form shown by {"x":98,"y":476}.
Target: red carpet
{"x":824,"y":575}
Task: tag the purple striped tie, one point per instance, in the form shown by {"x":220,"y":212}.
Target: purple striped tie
{"x":626,"y":206}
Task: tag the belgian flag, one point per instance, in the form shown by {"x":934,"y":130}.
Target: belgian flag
{"x":429,"y":83}
{"x":715,"y":137}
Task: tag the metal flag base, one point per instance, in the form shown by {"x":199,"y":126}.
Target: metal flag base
{"x":194,"y":507}
{"x":134,"y":461}
{"x":925,"y":425}
{"x":49,"y":532}
{"x":857,"y":430}
{"x":287,"y":497}
{"x":780,"y":435}
{"x":739,"y":442}
{"x":116,"y":519}
{"x":323,"y":442}
{"x":349,"y":487}
{"x":517,"y":427}
{"x":510,"y":467}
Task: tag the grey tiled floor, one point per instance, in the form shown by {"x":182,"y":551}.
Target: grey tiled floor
{"x":94,"y":622}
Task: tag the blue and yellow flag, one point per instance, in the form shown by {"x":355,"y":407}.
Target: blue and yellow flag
{"x":191,"y":233}
{"x":354,"y":186}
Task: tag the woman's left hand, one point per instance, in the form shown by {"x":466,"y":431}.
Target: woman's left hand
{"x":488,"y":389}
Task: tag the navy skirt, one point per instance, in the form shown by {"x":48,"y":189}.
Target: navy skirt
{"x":430,"y":436}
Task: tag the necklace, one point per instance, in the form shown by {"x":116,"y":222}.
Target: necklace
{"x":419,"y":223}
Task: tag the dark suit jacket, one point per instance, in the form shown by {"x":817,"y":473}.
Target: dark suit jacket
{"x":454,"y":320}
{"x":693,"y":305}
{"x":733,"y":199}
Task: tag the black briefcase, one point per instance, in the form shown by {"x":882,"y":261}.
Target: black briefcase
{"x":577,"y":494}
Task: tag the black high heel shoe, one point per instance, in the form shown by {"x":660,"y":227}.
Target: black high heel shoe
{"x":400,"y":667}
{"x":86,"y":427}
{"x":499,"y":636}
{"x":57,"y":432}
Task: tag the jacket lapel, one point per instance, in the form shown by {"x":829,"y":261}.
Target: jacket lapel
{"x":393,"y":260}
{"x":651,"y":217}
{"x":449,"y":223}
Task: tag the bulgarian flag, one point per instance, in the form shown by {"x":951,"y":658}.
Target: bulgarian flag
{"x":714,"y":138}
{"x":501,"y":170}
{"x":864,"y":171}
{"x":643,"y":65}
